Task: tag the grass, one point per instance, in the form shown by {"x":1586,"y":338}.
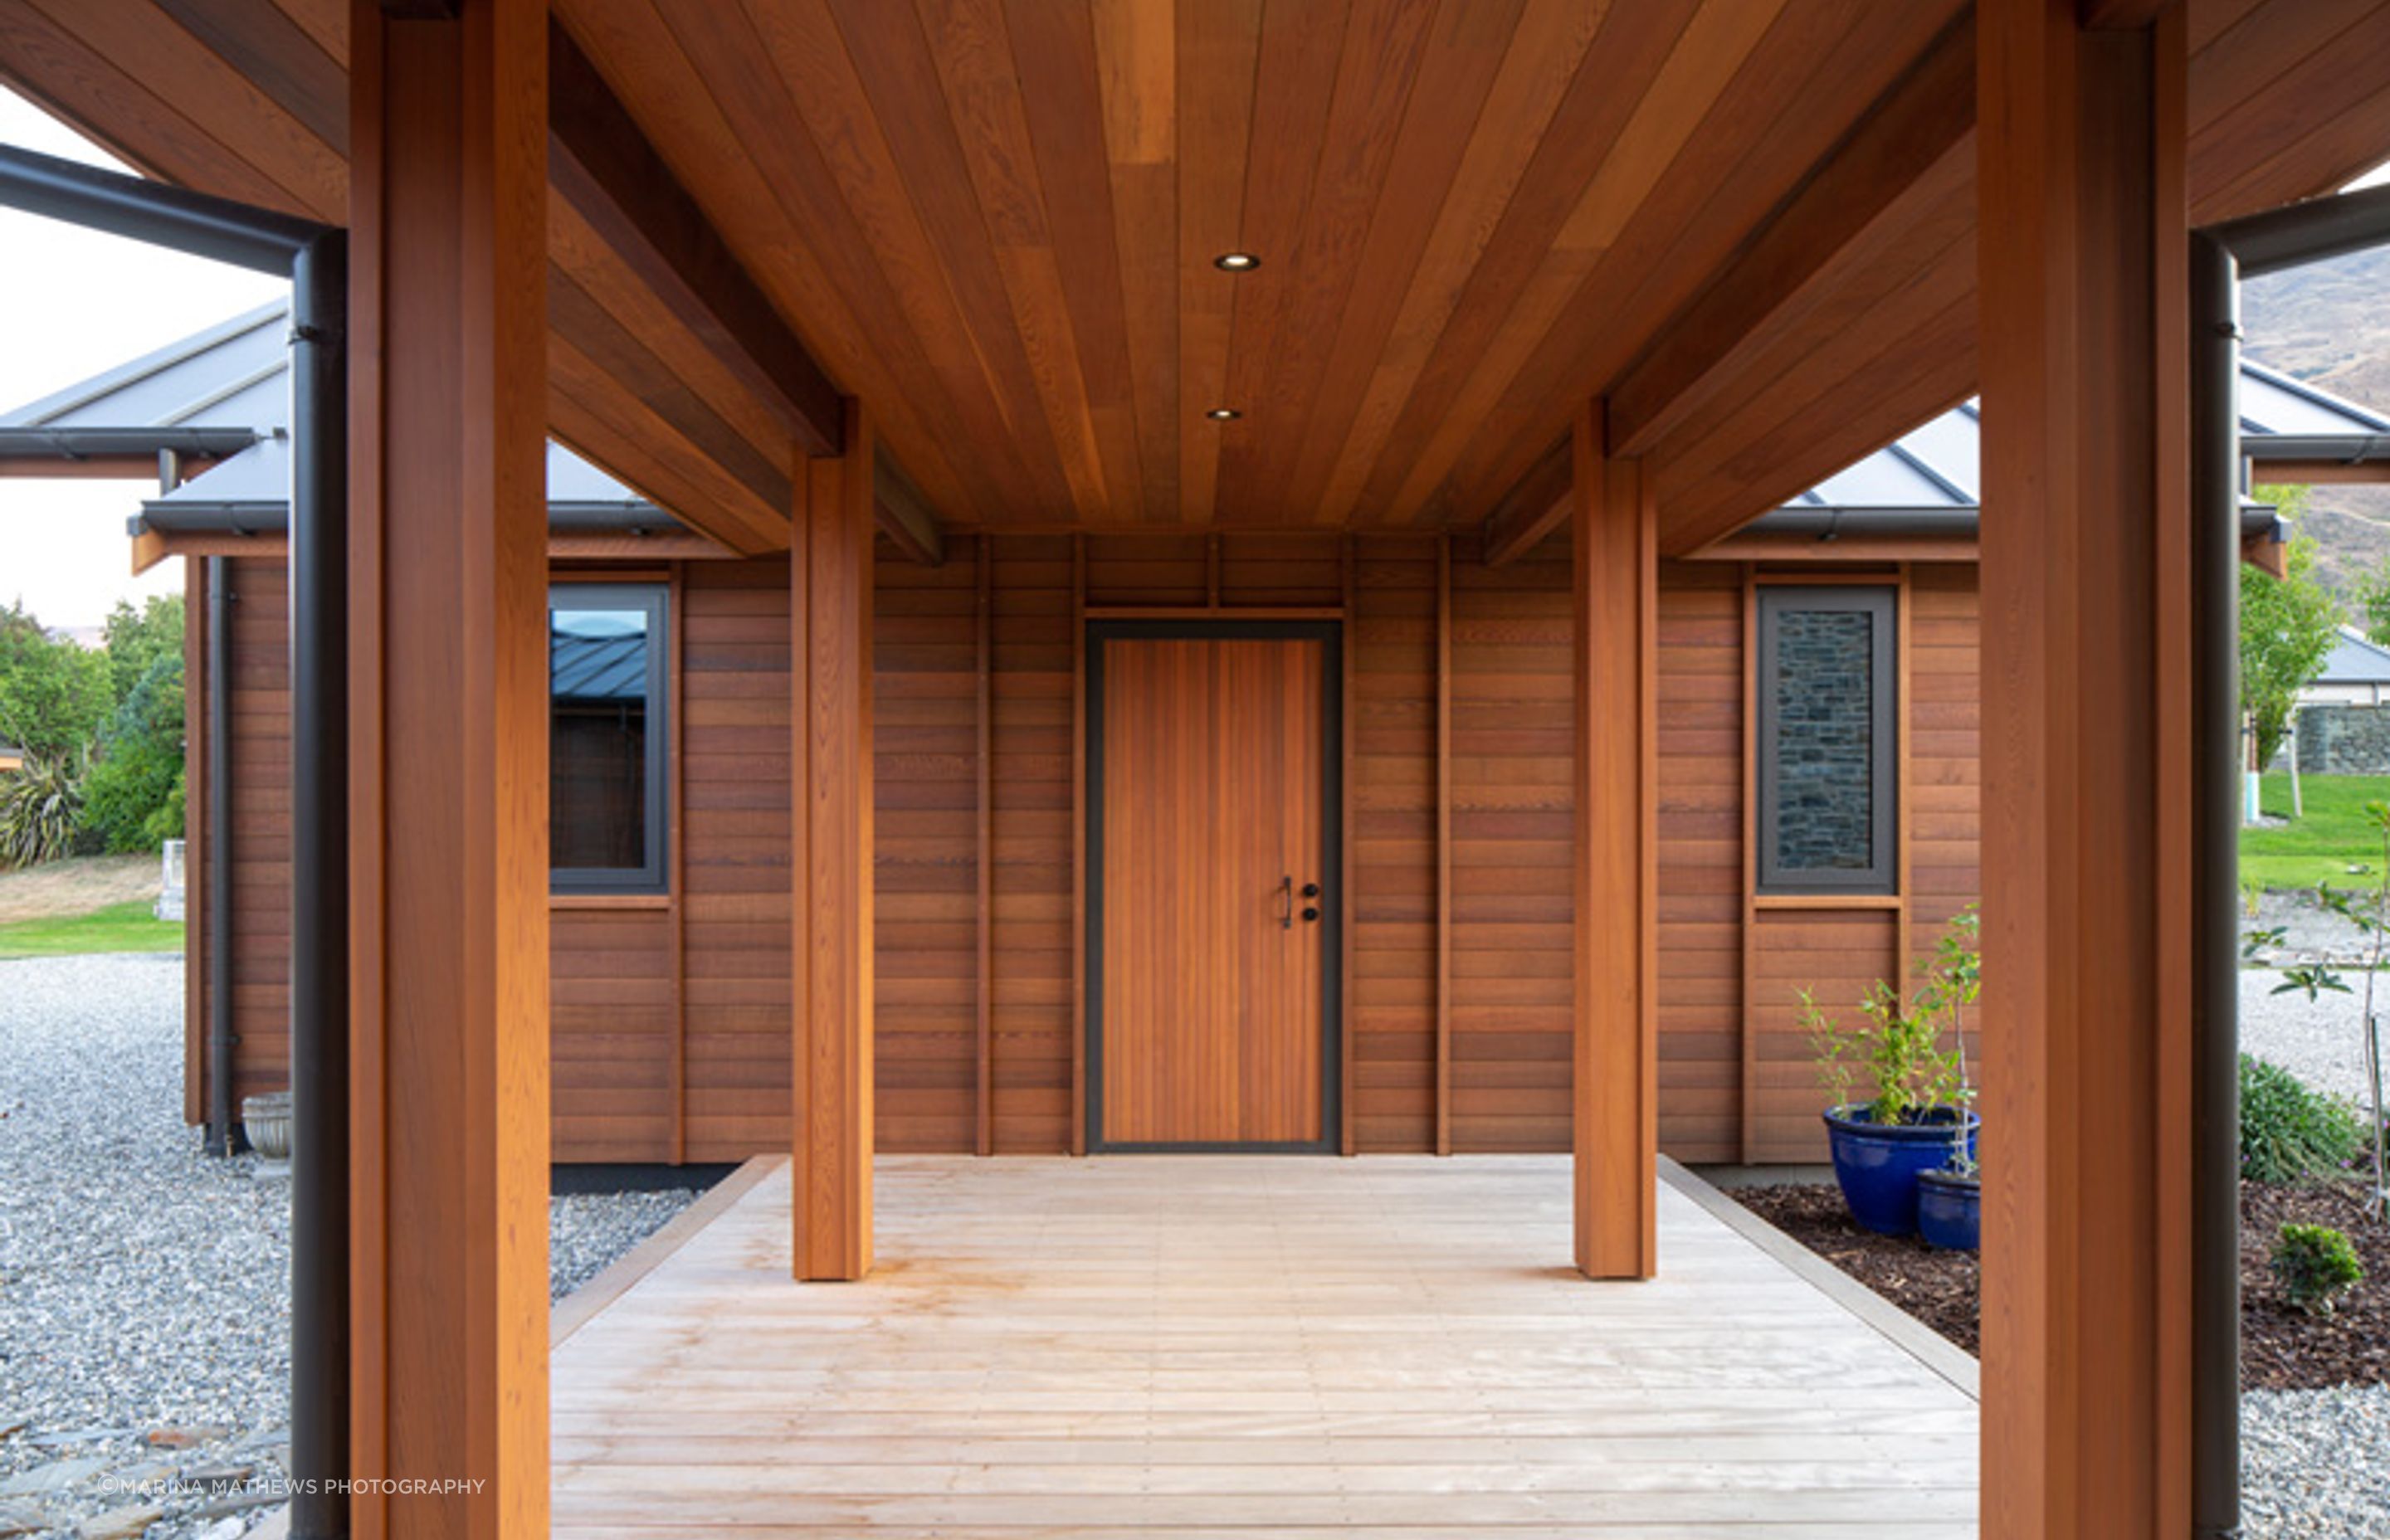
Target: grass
{"x":2321,"y":846}
{"x":118,"y":928}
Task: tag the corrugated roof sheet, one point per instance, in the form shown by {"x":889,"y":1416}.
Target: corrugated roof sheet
{"x":2354,"y":660}
{"x":1938,"y":464}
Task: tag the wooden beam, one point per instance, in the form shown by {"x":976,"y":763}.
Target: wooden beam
{"x":603,"y":165}
{"x":1616,"y":562}
{"x":2087,"y":928}
{"x":449,"y":771}
{"x":905,"y":515}
{"x":2321,"y":472}
{"x":830,"y":577}
{"x":1763,"y":546}
{"x":1531,"y":510}
{"x":1925,"y":114}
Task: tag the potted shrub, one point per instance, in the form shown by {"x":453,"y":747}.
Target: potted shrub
{"x":1913,"y":1053}
{"x":1950,"y":1202}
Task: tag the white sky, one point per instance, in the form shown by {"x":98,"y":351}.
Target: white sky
{"x":72,"y":303}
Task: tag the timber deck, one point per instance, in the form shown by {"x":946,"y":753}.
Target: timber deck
{"x":1297,"y":1347}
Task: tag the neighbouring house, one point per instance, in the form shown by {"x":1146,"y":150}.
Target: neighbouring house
{"x":1816,"y":834}
{"x":2340,"y":727}
{"x":1215,"y":609}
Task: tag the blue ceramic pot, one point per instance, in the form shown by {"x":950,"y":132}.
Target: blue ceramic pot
{"x":1949,"y":1210}
{"x":1878,"y":1164}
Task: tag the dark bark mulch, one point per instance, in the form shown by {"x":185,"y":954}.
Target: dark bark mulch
{"x":1937,"y":1287}
{"x":2281,"y":1347}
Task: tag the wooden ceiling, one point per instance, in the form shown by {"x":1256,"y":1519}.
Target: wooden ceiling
{"x":1748,"y":221}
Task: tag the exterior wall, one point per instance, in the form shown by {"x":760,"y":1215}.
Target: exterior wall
{"x":2344,"y":741}
{"x":671,"y":1030}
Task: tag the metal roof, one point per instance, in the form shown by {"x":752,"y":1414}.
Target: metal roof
{"x":587,"y":665}
{"x":2354,"y":660}
{"x":1937,"y":468}
{"x":233,"y":378}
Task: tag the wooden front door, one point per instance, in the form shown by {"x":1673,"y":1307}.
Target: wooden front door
{"x":1212,"y":932}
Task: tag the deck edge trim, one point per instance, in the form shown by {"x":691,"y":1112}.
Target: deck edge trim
{"x":577,"y":1309}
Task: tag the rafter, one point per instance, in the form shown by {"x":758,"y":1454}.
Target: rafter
{"x":904,"y":515}
{"x":1536,"y":505}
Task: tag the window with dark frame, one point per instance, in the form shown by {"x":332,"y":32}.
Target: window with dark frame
{"x":1829,"y":737}
{"x":607,"y":738}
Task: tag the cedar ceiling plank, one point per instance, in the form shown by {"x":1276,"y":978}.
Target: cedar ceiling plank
{"x":1134,"y":60}
{"x":1724,"y":182}
{"x":1218,"y":54}
{"x":84,"y":89}
{"x":1534,"y":508}
{"x":1046,"y":73}
{"x":1725,"y":43}
{"x":600,"y":161}
{"x":1278,"y":380}
{"x":972,"y":54}
{"x":899,"y":90}
{"x":2259,"y":48}
{"x":1523,"y":262}
{"x":1467,"y":53}
{"x":605,"y":342}
{"x":2250,"y":158}
{"x":2121,"y":14}
{"x":2337,"y":150}
{"x":327,"y":22}
{"x":1928,"y":112}
{"x":1538,"y":79}
{"x":188,"y":76}
{"x":705,"y":68}
{"x":281,"y":58}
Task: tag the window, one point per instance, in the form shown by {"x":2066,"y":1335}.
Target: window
{"x":1827,"y":740}
{"x":606,"y":737}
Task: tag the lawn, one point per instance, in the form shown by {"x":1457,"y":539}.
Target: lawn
{"x":127,"y":927}
{"x":2322,"y":846}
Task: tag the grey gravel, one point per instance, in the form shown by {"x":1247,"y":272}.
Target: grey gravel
{"x":143,"y":1284}
{"x":2322,"y":1040}
{"x":2316,"y":1464}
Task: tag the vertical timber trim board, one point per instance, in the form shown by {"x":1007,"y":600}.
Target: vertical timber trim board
{"x":449,"y":722}
{"x":678,"y":844}
{"x":1347,"y":906}
{"x":982,"y":1003}
{"x":1078,"y":844}
{"x":1443,"y":843}
{"x":830,"y":607}
{"x":1615,"y":559}
{"x":1902,"y":714}
{"x":1747,"y":1037}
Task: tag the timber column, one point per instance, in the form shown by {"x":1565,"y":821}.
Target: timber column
{"x":448,"y":764}
{"x":2088,"y":758}
{"x":1615,"y":554}
{"x":829,"y":576}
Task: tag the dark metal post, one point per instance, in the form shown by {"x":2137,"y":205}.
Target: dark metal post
{"x":222,"y":1138}
{"x":2215,"y":889}
{"x":319,"y":920}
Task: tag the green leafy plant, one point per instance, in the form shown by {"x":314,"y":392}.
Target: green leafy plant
{"x":2288,"y":626}
{"x":2316,"y":1265}
{"x":2371,"y":916}
{"x":54,"y":694}
{"x":1911,"y":1053}
{"x":2291,"y":1132}
{"x":41,"y":810}
{"x":133,"y":795}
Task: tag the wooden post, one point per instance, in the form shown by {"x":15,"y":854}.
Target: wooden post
{"x":448,"y":769}
{"x":2087,"y":925}
{"x":830,"y":565}
{"x":1615,"y":554}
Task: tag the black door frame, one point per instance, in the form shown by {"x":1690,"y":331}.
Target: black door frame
{"x":1330,"y":635}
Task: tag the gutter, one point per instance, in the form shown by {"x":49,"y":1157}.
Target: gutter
{"x":77,"y":445}
{"x":198,"y":516}
{"x":2257,"y":523}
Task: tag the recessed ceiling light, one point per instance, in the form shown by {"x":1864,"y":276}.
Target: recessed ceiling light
{"x":1224,"y":414}
{"x":1235,"y":262}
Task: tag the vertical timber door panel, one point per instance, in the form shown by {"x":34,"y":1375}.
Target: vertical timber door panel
{"x":1211,"y":1011}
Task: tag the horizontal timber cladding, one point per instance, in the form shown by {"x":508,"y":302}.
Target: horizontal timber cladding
{"x":1735,"y":1077}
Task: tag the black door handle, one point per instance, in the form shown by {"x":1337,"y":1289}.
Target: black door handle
{"x":1286,"y":902}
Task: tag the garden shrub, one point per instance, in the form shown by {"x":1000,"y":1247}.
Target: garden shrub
{"x":2290,"y":1131}
{"x":133,"y":795}
{"x":41,"y":812}
{"x":2316,"y":1265}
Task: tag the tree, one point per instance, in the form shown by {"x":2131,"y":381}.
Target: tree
{"x":2373,"y":601}
{"x":54,"y":694}
{"x":137,"y":639}
{"x":133,"y":796}
{"x":2288,"y":626}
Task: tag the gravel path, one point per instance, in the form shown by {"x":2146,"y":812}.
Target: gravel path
{"x":144,"y":1287}
{"x":2316,"y":1463}
{"x":2321,"y":1041}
